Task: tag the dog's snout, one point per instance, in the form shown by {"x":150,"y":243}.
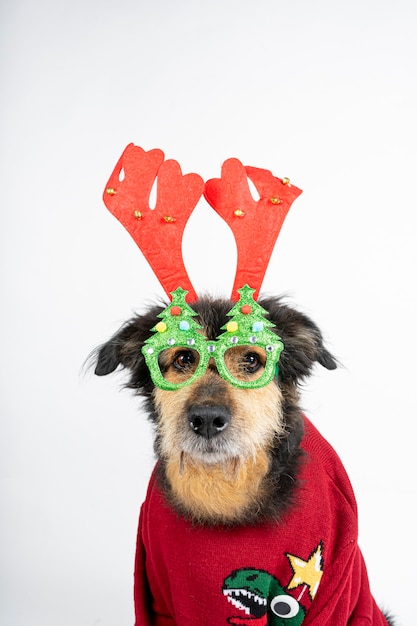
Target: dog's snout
{"x":208,"y":421}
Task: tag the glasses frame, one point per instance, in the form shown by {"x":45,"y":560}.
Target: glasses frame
{"x":215,"y":350}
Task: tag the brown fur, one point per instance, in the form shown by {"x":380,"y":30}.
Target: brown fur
{"x":217,"y":493}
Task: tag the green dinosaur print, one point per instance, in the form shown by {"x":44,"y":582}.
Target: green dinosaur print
{"x":263,"y":600}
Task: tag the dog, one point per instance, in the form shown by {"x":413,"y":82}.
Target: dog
{"x":249,"y":518}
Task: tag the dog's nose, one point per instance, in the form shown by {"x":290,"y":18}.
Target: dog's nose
{"x":208,"y":421}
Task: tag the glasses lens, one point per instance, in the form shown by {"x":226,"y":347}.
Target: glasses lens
{"x":178,"y":365}
{"x":245,"y":363}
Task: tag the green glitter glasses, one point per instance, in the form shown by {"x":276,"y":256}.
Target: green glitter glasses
{"x":246,"y":353}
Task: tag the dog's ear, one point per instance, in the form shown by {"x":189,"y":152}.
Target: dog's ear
{"x":119,"y":350}
{"x":302,"y":339}
{"x":125,"y":349}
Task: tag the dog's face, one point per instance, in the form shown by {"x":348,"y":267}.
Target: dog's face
{"x":213,"y":422}
{"x":219,"y":443}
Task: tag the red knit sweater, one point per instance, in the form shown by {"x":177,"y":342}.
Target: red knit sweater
{"x":307,"y":569}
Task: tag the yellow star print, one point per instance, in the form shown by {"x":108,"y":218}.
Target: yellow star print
{"x":307,"y":573}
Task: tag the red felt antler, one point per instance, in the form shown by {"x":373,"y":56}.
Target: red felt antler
{"x":255,"y":223}
{"x":158,"y":232}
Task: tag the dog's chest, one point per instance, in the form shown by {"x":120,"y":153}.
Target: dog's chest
{"x":266,"y":573}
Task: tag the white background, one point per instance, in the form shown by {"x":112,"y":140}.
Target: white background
{"x":323,"y":92}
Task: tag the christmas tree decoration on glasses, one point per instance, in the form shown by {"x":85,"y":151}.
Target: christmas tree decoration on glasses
{"x":246,"y":354}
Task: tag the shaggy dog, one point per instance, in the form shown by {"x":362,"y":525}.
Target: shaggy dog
{"x":249,"y":517}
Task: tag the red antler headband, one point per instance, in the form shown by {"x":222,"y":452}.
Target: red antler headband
{"x":255,"y":223}
{"x":158,"y":232}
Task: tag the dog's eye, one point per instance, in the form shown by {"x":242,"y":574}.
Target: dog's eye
{"x":184,"y":360}
{"x":245,"y":364}
{"x":251,"y":362}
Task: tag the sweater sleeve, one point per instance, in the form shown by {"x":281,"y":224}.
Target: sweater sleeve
{"x":142,"y":593}
{"x":344,"y":597}
{"x":144,"y":602}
